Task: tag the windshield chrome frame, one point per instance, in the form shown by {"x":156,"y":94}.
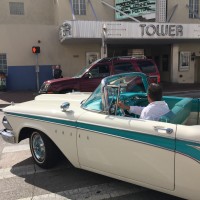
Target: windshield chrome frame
{"x":104,"y":89}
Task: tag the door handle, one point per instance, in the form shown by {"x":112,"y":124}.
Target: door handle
{"x":163,"y":130}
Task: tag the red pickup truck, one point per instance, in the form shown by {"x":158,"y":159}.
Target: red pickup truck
{"x":89,"y":78}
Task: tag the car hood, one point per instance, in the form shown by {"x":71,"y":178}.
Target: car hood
{"x":49,"y":106}
{"x":59,"y":80}
{"x":72,"y":97}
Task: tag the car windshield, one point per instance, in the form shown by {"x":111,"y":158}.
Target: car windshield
{"x":94,"y":102}
{"x":85,"y":69}
{"x":128,"y":83}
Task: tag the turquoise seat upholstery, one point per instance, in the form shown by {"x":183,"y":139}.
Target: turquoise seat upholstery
{"x":179,"y":113}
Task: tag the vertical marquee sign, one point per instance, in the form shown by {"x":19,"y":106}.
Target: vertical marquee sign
{"x":136,"y":8}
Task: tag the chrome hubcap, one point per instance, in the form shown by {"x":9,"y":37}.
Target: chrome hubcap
{"x":38,"y":147}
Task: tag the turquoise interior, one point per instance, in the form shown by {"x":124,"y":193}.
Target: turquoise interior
{"x":180,"y":111}
{"x":180,"y":107}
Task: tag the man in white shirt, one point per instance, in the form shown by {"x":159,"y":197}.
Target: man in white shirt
{"x":156,"y":107}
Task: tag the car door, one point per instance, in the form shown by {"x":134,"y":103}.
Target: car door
{"x":93,"y":77}
{"x":140,"y":151}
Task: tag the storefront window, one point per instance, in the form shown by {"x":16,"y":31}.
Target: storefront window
{"x":184,"y":62}
{"x":3,"y":63}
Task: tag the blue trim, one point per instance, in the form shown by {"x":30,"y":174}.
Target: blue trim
{"x":186,"y":148}
{"x":46,"y":119}
{"x":161,"y":142}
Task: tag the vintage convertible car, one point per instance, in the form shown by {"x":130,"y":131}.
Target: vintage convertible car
{"x":95,"y":135}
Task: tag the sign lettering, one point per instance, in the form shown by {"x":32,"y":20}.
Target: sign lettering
{"x":134,"y":8}
{"x":161,"y":30}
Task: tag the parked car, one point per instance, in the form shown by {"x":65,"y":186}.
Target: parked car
{"x":95,"y":135}
{"x":89,"y":78}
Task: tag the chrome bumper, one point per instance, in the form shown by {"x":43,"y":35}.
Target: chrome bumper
{"x":7,"y":136}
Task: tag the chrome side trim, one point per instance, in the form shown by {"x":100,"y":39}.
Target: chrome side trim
{"x":195,"y":147}
{"x":8,"y":136}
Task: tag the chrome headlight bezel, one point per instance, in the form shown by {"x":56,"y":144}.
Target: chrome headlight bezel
{"x":44,"y":88}
{"x":6,"y":124}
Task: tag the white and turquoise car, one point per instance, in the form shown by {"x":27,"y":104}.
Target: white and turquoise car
{"x":95,"y":135}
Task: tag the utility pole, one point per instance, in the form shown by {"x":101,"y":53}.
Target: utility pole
{"x":37,"y":70}
{"x":36,"y":51}
{"x":104,"y":45}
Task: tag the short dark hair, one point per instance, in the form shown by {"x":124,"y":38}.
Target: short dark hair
{"x":155,"y":92}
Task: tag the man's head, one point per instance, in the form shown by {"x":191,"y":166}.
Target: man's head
{"x":154,"y":92}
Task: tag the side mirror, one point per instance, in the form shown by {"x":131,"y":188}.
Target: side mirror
{"x":88,"y":75}
{"x":65,"y":106}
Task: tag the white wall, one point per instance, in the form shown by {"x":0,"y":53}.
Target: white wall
{"x":41,"y":22}
{"x":17,"y":40}
{"x":35,"y":12}
{"x":181,"y":14}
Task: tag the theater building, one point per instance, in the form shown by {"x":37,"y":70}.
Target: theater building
{"x":73,"y":33}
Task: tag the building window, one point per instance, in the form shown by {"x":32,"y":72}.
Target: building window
{"x":79,"y":7}
{"x":3,"y":63}
{"x":16,"y":8}
{"x":193,"y":9}
{"x":161,"y":11}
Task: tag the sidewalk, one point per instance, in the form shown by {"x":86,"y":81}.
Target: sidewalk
{"x":17,"y":97}
{"x":172,"y":87}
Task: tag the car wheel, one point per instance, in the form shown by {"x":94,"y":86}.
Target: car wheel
{"x":43,"y":150}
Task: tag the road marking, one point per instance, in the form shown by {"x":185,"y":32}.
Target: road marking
{"x":15,"y":148}
{"x":95,"y":192}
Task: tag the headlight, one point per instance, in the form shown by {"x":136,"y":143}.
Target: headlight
{"x":6,"y":123}
{"x":44,"y":88}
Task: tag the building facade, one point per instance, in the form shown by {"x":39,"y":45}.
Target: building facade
{"x":73,"y":33}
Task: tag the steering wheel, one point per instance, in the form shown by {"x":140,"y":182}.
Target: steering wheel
{"x":115,"y":110}
{"x":120,"y":111}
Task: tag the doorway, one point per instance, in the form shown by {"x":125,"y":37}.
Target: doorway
{"x":197,"y":70}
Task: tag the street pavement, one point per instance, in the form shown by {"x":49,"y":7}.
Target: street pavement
{"x":21,"y":179}
{"x":17,"y":97}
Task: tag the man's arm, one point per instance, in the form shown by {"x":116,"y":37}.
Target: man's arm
{"x":136,"y":109}
{"x":131,"y":109}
